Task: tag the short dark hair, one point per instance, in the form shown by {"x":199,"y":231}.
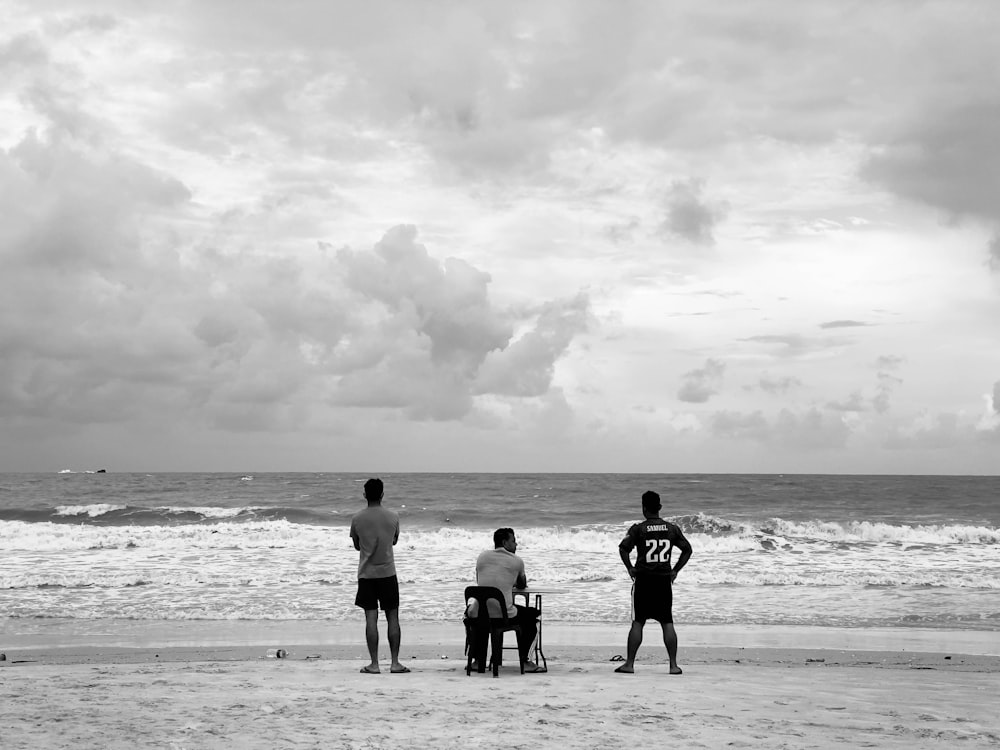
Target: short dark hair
{"x":374,"y":489}
{"x":651,"y":500}
{"x":502,"y":535}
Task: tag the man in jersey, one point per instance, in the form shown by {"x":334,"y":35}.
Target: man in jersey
{"x":374,"y":531}
{"x":652,"y":576}
{"x":501,"y":568}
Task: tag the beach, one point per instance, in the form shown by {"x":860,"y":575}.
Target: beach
{"x":193,"y":690}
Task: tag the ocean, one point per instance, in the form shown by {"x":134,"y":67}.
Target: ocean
{"x":823,"y":550}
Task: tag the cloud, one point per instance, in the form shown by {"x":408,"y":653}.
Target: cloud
{"x":946,"y":158}
{"x":94,"y":22}
{"x":739,"y":425}
{"x":887,"y":384}
{"x":23,"y":51}
{"x":701,"y":384}
{"x":525,"y":367}
{"x":812,"y":430}
{"x":445,"y":301}
{"x":777,"y":386}
{"x":621,"y":232}
{"x":111,"y":315}
{"x":452,"y":83}
{"x":790,"y":344}
{"x":843,"y":324}
{"x":928,"y":431}
{"x":442,"y":340}
{"x":889,"y":362}
{"x":988,"y":425}
{"x":855,"y":402}
{"x":809,"y":430}
{"x":689,"y":216}
{"x":87,"y":328}
{"x":161,"y":218}
{"x":88,"y":208}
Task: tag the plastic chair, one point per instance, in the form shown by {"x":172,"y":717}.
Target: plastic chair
{"x":482,"y":626}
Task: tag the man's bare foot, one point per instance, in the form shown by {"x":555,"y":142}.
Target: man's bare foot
{"x":625,"y":669}
{"x":676,"y":670}
{"x":370,"y":669}
{"x":399,"y":669}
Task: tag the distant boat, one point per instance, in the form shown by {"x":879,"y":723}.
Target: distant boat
{"x":102,"y":471}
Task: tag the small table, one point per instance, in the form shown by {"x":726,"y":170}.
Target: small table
{"x":537,"y":593}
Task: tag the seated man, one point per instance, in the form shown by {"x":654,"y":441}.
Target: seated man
{"x":501,"y":568}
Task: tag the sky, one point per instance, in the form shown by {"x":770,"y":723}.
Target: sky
{"x":571,"y":236}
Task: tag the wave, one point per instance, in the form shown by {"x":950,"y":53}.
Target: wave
{"x":93,"y":511}
{"x":105,"y":522}
{"x":768,"y":534}
{"x":225,"y":578}
{"x":110,"y":514}
{"x":874,"y":532}
{"x":105,"y":526}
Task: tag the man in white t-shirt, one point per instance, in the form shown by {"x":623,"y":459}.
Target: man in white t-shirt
{"x":501,"y":568}
{"x":375,"y":531}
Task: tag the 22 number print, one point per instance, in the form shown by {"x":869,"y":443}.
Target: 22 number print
{"x":657,"y":551}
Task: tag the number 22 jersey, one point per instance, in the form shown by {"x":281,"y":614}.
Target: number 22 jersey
{"x":654,"y":539}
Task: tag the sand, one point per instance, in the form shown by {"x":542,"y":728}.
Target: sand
{"x":737,"y":690}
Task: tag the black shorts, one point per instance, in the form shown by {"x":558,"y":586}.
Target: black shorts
{"x":375,"y":591}
{"x":652,"y":599}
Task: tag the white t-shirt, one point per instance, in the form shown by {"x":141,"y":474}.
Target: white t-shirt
{"x":375,"y":530}
{"x":500,"y":568}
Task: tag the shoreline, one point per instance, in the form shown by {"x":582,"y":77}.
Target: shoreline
{"x":561,"y":660}
{"x":126,"y":641}
{"x":71,"y":633}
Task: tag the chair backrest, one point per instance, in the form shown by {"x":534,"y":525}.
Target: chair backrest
{"x":482,"y":594}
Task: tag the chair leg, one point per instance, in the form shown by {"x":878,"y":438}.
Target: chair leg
{"x":477,"y":642}
{"x":496,"y":646}
{"x":517,"y":637}
{"x":481,"y":644}
{"x":468,"y":656}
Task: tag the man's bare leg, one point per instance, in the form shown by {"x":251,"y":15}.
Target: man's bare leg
{"x":634,"y":641}
{"x":371,"y":637}
{"x":670,"y":641}
{"x":395,"y":636}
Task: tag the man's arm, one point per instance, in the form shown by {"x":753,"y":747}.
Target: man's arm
{"x":625,"y":551}
{"x":354,"y":538}
{"x":521,"y":582}
{"x":685,"y":547}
